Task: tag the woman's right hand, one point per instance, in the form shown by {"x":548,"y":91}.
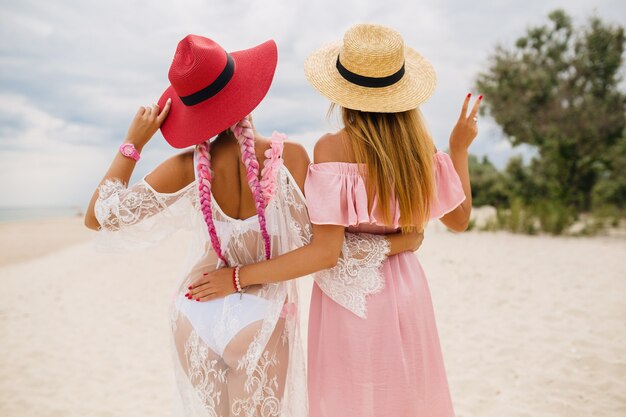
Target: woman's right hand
{"x":145,"y":124}
{"x":404,"y":242}
{"x":414,"y":240}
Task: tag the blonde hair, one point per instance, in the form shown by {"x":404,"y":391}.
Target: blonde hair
{"x":397,"y":151}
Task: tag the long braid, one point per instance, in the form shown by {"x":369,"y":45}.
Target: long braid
{"x":203,"y":170}
{"x":245,"y":136}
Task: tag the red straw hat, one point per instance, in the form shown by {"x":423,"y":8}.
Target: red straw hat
{"x":212,"y":90}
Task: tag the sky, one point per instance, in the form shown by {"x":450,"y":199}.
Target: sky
{"x":73,"y":73}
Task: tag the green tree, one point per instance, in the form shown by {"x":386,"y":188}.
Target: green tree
{"x":488,"y":185}
{"x":558,"y":90}
{"x":611,"y":187}
{"x":525,"y":182}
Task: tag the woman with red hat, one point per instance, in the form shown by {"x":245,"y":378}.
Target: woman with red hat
{"x":239,"y":355}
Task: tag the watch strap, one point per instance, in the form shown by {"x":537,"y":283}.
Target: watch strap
{"x":124,"y":147}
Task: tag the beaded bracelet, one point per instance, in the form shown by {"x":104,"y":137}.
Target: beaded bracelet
{"x":236,"y":282}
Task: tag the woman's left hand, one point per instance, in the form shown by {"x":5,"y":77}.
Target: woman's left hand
{"x":212,"y":285}
{"x":466,"y":127}
{"x":145,"y":124}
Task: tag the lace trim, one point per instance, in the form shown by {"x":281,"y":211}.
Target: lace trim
{"x":118,"y":206}
{"x":357,"y":273}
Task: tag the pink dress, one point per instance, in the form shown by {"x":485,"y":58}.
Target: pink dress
{"x":387,"y":363}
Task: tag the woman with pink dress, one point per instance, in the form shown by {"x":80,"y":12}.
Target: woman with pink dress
{"x":373,"y":346}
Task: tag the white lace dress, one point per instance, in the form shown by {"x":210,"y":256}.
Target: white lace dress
{"x":237,"y":356}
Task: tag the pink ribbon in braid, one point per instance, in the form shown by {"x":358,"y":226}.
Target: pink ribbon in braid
{"x":271,"y":165}
{"x":203,"y":170}
{"x":245,"y":136}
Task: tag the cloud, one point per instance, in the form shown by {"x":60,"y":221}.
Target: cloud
{"x":74,"y":72}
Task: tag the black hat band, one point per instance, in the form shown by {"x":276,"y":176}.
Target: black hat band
{"x":374,"y":82}
{"x":215,"y":87}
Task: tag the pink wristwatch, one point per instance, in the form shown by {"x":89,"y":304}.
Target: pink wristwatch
{"x":129,"y":151}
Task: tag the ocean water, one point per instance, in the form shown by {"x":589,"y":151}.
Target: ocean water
{"x":11,"y":214}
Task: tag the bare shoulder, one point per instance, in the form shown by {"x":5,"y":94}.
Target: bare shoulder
{"x":297,"y":161}
{"x":173,"y":174}
{"x":295,"y":155}
{"x":331,"y":147}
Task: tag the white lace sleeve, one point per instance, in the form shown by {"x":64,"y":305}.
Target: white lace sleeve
{"x":139,"y":216}
{"x":357,"y":273}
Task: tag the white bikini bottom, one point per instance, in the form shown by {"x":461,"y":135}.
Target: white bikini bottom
{"x":217,"y":322}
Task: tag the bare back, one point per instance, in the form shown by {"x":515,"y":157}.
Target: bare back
{"x":230,"y":187}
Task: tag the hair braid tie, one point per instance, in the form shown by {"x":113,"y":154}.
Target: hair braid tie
{"x":272,"y":164}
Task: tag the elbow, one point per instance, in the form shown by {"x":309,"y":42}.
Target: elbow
{"x":332,"y":261}
{"x":329,"y":258}
{"x":460,"y":226}
{"x":91,"y":222}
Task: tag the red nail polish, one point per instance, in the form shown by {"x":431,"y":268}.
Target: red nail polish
{"x":189,"y":287}
{"x":197,"y":299}
{"x":205,"y":274}
{"x":469,"y":95}
{"x":480,"y":97}
{"x":187,"y":295}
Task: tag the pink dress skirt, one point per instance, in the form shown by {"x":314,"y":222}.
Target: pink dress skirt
{"x":388,"y":364}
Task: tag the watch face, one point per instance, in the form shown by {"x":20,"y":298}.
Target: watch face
{"x":127,"y":150}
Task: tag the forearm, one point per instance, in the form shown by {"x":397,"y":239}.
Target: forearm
{"x":310,"y":259}
{"x":461,"y":166}
{"x":121,"y":168}
{"x":297,"y":263}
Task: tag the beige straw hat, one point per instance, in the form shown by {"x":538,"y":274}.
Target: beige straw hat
{"x":371,"y":70}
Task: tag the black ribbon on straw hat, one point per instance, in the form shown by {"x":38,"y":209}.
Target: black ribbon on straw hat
{"x":215,"y":87}
{"x":373,"y":82}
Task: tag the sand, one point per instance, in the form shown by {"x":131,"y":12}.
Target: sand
{"x":24,"y":240}
{"x":530,"y":326}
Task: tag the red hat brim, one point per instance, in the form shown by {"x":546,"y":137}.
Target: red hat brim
{"x":190,"y":125}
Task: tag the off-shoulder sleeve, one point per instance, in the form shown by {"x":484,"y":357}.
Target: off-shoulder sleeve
{"x":335,"y":194}
{"x":448,"y":188}
{"x":139,"y":216}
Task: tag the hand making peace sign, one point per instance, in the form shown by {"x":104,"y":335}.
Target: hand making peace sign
{"x":466,"y":127}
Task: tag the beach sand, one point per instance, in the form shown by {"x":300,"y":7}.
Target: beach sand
{"x":530,"y":326}
{"x":24,"y":240}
